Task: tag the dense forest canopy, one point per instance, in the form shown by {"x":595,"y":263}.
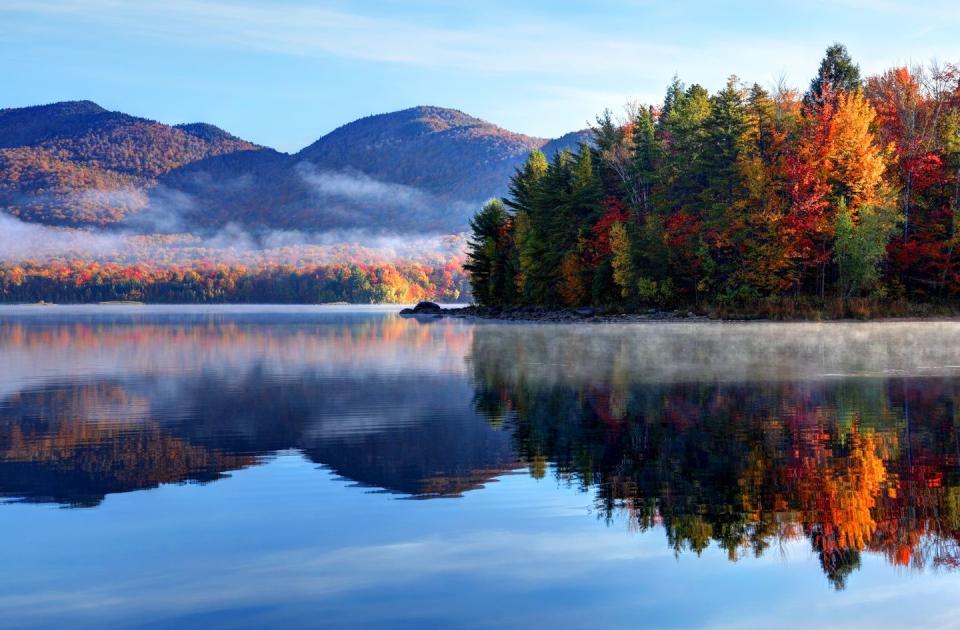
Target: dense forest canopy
{"x":746,"y":196}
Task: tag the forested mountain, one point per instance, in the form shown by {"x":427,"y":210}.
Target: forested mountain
{"x":416,"y":170}
{"x":75,"y":163}
{"x":420,"y":169}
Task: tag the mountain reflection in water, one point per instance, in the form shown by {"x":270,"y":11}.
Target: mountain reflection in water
{"x":741,"y":436}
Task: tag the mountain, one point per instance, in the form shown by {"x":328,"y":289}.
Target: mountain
{"x":76,"y":163}
{"x":416,"y":170}
{"x":440,"y":151}
{"x":424,"y":169}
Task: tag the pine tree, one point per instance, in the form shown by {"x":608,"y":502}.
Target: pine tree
{"x":682,"y":131}
{"x":647,"y":153}
{"x":487,"y":254}
{"x":529,"y":237}
{"x":837,"y":74}
{"x":724,"y":131}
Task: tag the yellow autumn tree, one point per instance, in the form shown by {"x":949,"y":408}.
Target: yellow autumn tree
{"x":856,"y":156}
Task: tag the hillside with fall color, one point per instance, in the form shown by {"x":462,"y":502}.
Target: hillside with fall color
{"x":75,"y":163}
{"x":422,"y":169}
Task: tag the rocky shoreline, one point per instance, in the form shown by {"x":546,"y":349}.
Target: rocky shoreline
{"x":539,"y":314}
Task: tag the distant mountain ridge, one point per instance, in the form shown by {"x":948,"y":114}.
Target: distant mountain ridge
{"x":419,"y":169}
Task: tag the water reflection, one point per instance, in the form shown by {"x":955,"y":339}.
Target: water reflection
{"x":850,"y":464}
{"x":745,"y":437}
{"x":91,"y":407}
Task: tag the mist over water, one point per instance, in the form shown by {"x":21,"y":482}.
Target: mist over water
{"x":726,"y":351}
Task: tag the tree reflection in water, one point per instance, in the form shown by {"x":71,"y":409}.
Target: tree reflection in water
{"x":720,"y":435}
{"x":852,"y":464}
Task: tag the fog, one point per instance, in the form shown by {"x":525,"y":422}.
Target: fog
{"x":359,"y":189}
{"x":162,"y":227}
{"x":21,"y":241}
{"x":691,"y":352}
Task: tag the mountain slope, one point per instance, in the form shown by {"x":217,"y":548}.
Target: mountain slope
{"x":423,"y":169}
{"x":441,"y":151}
{"x":76,"y":163}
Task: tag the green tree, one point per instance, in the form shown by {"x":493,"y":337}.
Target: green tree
{"x":860,"y":244}
{"x":529,"y":227}
{"x":487,"y":253}
{"x":724,"y":131}
{"x":647,"y":153}
{"x":682,"y":130}
{"x":837,"y":73}
{"x":621,"y":258}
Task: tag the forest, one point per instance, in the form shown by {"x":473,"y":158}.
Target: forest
{"x":842,"y":198}
{"x":209,"y":282}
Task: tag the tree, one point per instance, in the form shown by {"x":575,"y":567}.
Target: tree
{"x":487,"y":254}
{"x":529,"y":227}
{"x":856,"y":160}
{"x":682,"y":130}
{"x":721,"y":198}
{"x":837,"y":74}
{"x":646,"y":158}
{"x":860,"y":244}
{"x":624,"y":273}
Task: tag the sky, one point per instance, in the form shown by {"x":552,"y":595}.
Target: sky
{"x":284,"y":72}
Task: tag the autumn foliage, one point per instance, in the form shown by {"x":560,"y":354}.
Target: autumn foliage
{"x":90,"y":281}
{"x":749,"y":195}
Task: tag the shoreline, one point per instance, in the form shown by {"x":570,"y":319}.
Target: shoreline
{"x":537,"y":314}
{"x":590,"y":315}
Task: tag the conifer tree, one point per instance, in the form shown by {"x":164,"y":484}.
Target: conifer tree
{"x":837,"y":73}
{"x":487,"y":254}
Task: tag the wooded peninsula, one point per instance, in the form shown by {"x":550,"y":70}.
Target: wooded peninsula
{"x":839,"y":201}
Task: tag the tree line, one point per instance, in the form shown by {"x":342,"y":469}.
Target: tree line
{"x":91,"y":281}
{"x":742,"y":197}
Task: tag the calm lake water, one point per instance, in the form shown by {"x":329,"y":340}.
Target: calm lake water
{"x":252,"y":466}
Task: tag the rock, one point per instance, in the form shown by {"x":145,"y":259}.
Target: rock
{"x":423,"y":308}
{"x":427,"y":307}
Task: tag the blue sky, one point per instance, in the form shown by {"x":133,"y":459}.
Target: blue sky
{"x":284,"y":72}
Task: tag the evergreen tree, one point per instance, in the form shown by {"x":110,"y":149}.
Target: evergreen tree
{"x":529,"y":237}
{"x":646,"y":156}
{"x":555,"y":219}
{"x":487,"y":254}
{"x":837,"y":73}
{"x":683,"y":132}
{"x":724,"y":131}
{"x":525,"y":181}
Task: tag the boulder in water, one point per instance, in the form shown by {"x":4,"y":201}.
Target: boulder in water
{"x":423,"y":308}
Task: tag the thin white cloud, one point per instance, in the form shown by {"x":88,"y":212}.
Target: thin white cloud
{"x":566,"y":62}
{"x":313,"y":31}
{"x":544,"y":47}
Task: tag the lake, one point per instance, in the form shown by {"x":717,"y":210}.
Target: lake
{"x":342,"y":466}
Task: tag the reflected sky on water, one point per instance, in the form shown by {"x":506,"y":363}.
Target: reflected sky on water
{"x":242,"y":466}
